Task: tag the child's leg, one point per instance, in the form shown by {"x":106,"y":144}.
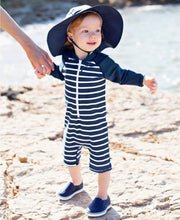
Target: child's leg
{"x":75,"y":173}
{"x":74,"y":187}
{"x":103,"y":184}
{"x":100,"y":205}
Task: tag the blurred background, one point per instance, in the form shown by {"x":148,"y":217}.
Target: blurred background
{"x":150,"y":42}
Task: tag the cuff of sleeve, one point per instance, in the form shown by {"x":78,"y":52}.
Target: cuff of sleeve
{"x":141,"y":80}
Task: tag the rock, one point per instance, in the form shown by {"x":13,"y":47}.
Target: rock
{"x":15,"y":217}
{"x":23,"y":159}
{"x":27,"y":12}
{"x":163,"y":206}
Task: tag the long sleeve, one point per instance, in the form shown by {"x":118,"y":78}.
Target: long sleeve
{"x":57,"y":73}
{"x":113,"y":72}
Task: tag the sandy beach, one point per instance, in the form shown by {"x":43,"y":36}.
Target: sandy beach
{"x":144,"y":135}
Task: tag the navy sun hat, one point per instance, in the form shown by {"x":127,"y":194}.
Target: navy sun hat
{"x":112,"y":28}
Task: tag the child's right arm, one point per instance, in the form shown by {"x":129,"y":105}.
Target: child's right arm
{"x":55,"y":73}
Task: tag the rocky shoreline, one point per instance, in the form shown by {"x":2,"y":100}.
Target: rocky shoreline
{"x":28,"y":12}
{"x":144,"y":133}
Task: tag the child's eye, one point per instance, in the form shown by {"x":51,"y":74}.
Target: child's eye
{"x":97,"y":30}
{"x":85,"y":31}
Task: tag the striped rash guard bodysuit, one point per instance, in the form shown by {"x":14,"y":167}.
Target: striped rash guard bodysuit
{"x":85,"y":118}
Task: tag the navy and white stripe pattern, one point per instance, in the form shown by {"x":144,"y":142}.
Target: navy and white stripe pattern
{"x":85,"y":119}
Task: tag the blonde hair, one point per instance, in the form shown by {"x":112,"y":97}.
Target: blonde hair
{"x":76,"y":22}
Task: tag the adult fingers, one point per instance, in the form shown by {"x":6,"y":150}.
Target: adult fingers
{"x":46,"y":63}
{"x":50,"y":61}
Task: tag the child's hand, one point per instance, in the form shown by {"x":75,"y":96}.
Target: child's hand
{"x":151,"y":84}
{"x":38,"y":74}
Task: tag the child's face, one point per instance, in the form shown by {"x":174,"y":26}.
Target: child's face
{"x":87,"y":35}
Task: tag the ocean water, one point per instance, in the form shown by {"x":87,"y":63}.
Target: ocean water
{"x":150,"y":45}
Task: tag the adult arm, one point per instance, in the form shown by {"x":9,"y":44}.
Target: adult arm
{"x":37,"y":56}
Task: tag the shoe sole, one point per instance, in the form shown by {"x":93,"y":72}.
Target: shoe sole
{"x":99,"y":213}
{"x":69,"y":197}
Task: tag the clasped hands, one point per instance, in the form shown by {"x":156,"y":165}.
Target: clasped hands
{"x":40,"y":75}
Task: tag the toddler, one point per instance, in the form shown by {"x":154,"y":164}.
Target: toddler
{"x":80,"y":38}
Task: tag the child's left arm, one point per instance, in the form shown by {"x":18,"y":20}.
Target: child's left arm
{"x":113,"y":72}
{"x":151,"y":84}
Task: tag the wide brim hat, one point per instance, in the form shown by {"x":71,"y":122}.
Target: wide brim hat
{"x":112,"y":28}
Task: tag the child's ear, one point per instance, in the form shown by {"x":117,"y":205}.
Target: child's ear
{"x":69,"y":36}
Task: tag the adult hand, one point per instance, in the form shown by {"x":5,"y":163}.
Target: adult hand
{"x":40,"y":75}
{"x":39,"y":58}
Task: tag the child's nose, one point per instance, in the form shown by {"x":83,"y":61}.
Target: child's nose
{"x":92,"y":35}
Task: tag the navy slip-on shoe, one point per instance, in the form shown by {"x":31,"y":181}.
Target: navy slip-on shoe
{"x":98,"y":207}
{"x":70,"y":191}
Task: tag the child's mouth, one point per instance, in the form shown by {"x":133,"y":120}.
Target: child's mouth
{"x":91,"y":43}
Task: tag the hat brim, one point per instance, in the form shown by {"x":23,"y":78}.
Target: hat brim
{"x":112,"y":29}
